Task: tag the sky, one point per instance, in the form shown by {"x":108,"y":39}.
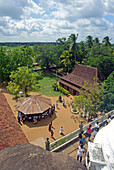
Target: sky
{"x":48,"y":20}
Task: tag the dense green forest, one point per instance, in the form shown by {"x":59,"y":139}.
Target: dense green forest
{"x":65,"y":53}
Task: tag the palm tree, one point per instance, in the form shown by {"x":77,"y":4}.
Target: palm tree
{"x":73,"y":45}
{"x":65,"y":59}
{"x":96,"y":40}
{"x":106,"y":41}
{"x":89,"y":41}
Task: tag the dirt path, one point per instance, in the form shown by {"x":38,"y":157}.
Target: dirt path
{"x":62,"y":117}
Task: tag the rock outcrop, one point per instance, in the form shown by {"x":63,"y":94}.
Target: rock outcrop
{"x":30,"y":157}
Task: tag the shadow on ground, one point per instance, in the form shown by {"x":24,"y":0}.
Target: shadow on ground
{"x":42,"y":122}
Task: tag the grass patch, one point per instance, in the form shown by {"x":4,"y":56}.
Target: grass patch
{"x":45,"y":82}
{"x":61,"y":141}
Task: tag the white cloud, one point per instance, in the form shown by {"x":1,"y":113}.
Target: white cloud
{"x":16,"y":9}
{"x":109,"y":7}
{"x":54,"y":18}
{"x":47,"y":4}
{"x":80,"y":9}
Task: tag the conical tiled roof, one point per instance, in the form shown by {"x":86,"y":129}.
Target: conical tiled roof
{"x":34,"y":105}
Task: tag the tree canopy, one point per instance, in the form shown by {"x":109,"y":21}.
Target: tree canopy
{"x":107,"y":102}
{"x":89,"y":98}
{"x":64,"y":53}
{"x":23,"y":79}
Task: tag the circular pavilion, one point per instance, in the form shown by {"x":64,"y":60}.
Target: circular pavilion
{"x":34,"y":105}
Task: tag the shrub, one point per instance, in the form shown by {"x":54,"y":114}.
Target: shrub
{"x":66,"y":92}
{"x":54,"y":85}
{"x":61,"y":89}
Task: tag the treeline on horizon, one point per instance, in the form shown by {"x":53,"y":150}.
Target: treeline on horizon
{"x":65,"y":53}
{"x":14,"y":44}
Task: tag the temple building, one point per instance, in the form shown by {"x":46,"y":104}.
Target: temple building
{"x":74,"y":81}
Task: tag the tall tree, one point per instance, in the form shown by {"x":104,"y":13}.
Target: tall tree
{"x":73,"y":46}
{"x":102,"y":58}
{"x":11,"y":60}
{"x":61,"y":40}
{"x":106,"y":41}
{"x":96,"y":41}
{"x":23,"y":79}
{"x":81,"y":52}
{"x":90,"y":97}
{"x":107,"y":102}
{"x":45,"y":55}
{"x":65,"y":59}
{"x":89,"y":41}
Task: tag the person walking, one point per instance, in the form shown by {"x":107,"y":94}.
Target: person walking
{"x":82,"y":138}
{"x":18,"y":119}
{"x":61,"y":130}
{"x":89,"y":130}
{"x":108,"y":120}
{"x":50,"y":112}
{"x":50,"y":127}
{"x":63,"y":102}
{"x":80,"y":152}
{"x":47,"y":143}
{"x":54,"y":107}
{"x":96,"y":129}
{"x":56,"y":104}
{"x":81,"y":127}
{"x":52,"y":133}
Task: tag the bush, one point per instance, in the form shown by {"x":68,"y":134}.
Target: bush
{"x":54,"y":85}
{"x":66,"y":92}
{"x":61,"y":89}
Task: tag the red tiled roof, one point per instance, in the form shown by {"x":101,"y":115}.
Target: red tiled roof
{"x":80,"y":74}
{"x":10,"y":131}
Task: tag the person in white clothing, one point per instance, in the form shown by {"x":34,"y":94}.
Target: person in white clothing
{"x":80,"y":152}
{"x":96,"y":129}
{"x":61,"y":130}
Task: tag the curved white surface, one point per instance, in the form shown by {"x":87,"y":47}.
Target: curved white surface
{"x":105,"y":137}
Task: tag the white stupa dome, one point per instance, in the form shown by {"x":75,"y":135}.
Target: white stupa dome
{"x":105,"y":137}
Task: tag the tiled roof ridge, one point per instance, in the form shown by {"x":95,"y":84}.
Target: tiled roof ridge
{"x":88,"y":66}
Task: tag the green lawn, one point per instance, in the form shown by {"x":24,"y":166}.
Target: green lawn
{"x":45,"y":82}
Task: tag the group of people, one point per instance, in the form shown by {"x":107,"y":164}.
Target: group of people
{"x":51,"y":131}
{"x":35,"y":118}
{"x":83,"y":137}
{"x":61,"y":101}
{"x":88,"y":133}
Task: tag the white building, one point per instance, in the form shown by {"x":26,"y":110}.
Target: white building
{"x":101,"y":152}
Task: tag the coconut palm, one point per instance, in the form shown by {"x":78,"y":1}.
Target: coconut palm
{"x":106,"y":41}
{"x":73,"y":45}
{"x":89,"y":41}
{"x":65,"y":59}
